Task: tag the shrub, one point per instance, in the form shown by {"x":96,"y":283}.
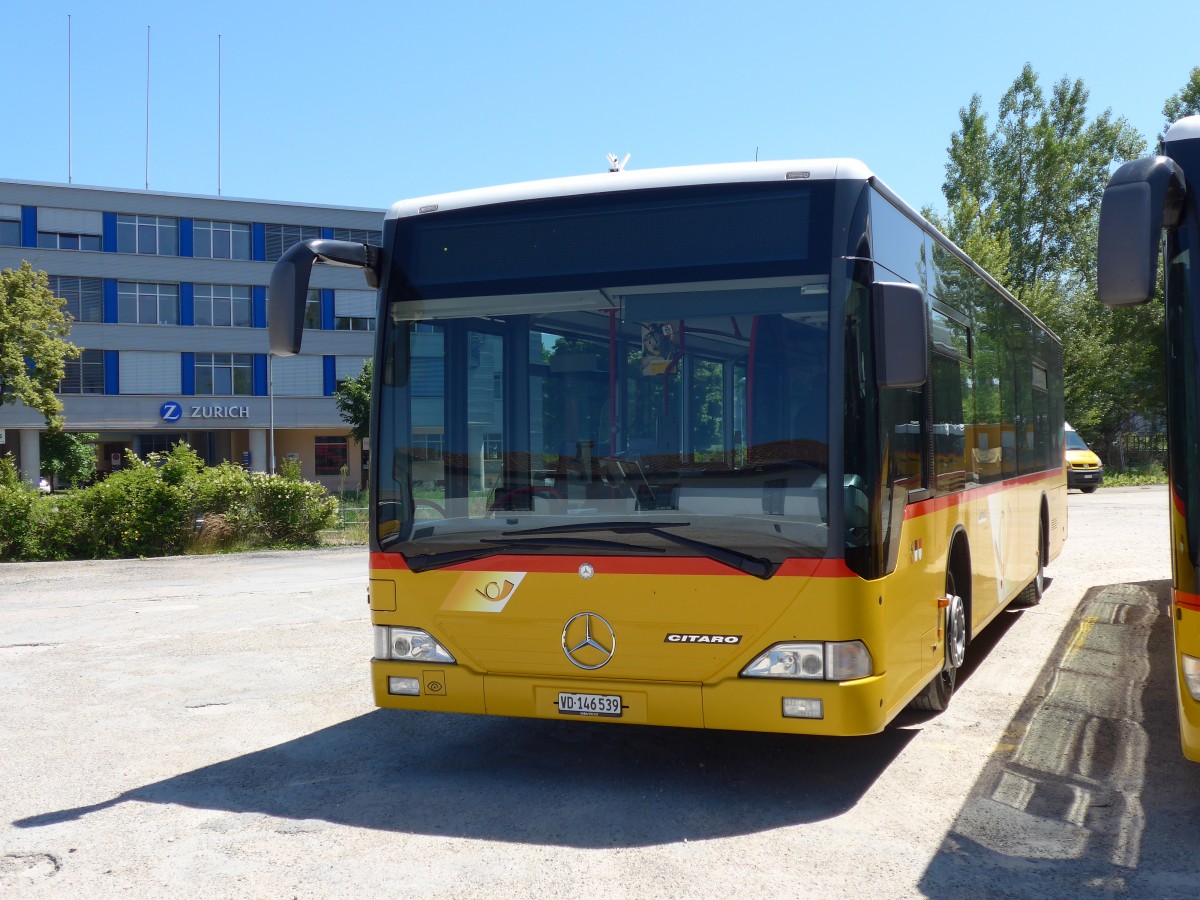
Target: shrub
{"x":59,"y":528}
{"x":290,"y":511}
{"x":16,"y":509}
{"x":134,"y":512}
{"x":224,"y":490}
{"x":168,"y":504}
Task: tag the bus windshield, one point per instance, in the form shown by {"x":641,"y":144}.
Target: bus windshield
{"x":702,"y":407}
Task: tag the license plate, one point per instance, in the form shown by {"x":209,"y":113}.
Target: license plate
{"x":589,"y":705}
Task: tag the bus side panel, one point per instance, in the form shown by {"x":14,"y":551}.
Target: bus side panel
{"x":1185,"y":623}
{"x":1057,"y":496}
{"x":1186,"y":620}
{"x":1001,"y":525}
{"x":911,"y":593}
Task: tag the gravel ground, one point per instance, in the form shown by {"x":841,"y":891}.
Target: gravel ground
{"x":205,"y":724}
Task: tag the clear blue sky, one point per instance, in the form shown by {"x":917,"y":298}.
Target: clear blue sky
{"x":360,"y":104}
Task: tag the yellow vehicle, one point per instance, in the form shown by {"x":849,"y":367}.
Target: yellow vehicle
{"x":742,"y":447}
{"x":1146,"y":200}
{"x":1085,"y":471}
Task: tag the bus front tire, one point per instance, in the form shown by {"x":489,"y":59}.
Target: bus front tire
{"x":936,"y":695}
{"x":1032,"y":594}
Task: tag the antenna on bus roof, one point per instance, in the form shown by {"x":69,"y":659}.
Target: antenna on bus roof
{"x":614,"y":166}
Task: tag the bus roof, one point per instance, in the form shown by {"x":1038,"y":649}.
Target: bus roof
{"x":846,"y":169}
{"x":637,"y":179}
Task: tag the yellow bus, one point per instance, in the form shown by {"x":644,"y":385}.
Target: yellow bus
{"x":739,"y":446}
{"x":1145,"y":199}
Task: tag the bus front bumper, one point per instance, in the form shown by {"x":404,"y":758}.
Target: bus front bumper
{"x":740,"y":704}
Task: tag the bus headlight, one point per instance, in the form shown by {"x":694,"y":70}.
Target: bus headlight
{"x":818,"y":660}
{"x":1191,"y":675}
{"x":409,"y":644}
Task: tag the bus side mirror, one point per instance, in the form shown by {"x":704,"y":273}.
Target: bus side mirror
{"x":1142,"y":198}
{"x":288,"y":294}
{"x":901,"y":335}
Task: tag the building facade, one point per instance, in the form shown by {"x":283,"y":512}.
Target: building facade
{"x":168,"y":293}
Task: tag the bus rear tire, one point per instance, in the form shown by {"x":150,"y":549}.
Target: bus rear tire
{"x":936,"y":695}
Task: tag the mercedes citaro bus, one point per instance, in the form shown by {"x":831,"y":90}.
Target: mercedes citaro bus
{"x":1145,"y":200}
{"x":736,"y":446}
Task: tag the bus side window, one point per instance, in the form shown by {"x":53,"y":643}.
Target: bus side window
{"x":949,"y":431}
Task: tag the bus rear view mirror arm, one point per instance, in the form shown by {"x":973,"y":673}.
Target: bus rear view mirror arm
{"x":901,"y":335}
{"x":1142,"y":198}
{"x":288,"y":293}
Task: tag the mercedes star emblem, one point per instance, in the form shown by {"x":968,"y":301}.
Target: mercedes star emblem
{"x":588,"y":640}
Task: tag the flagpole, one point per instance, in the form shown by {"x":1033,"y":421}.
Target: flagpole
{"x":70,"y":171}
{"x":147,"y":107}
{"x":218,"y":115}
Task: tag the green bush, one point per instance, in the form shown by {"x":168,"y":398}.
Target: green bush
{"x":135,"y":512}
{"x":16,"y":508}
{"x":168,"y":504}
{"x":58,"y":527}
{"x":290,"y":511}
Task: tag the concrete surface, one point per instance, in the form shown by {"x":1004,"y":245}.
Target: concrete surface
{"x":204,"y":724}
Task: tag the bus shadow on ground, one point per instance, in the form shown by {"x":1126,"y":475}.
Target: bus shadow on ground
{"x":573,"y":784}
{"x":1088,"y":793}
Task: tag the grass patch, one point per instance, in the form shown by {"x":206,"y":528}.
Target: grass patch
{"x":1136,"y":476}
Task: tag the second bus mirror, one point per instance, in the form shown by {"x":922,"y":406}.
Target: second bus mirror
{"x":901,"y":335}
{"x":1142,"y":198}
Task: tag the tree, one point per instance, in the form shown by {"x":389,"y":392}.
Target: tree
{"x":1037,"y":179}
{"x":1184,"y":103}
{"x":33,"y":345}
{"x":353,"y":397}
{"x":69,"y":457}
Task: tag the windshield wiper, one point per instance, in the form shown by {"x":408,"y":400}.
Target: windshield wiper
{"x":735,"y":559}
{"x":425,"y":561}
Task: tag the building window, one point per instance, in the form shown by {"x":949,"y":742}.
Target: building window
{"x":354,"y":310}
{"x":312,"y":310}
{"x":154,"y":235}
{"x":281,"y":237}
{"x":149,"y":372}
{"x":224,"y":374}
{"x":427,"y":446}
{"x":331,"y":455}
{"x":61,"y":240}
{"x":223,"y":304}
{"x":147,"y":303}
{"x":84,"y":375}
{"x":358,"y":235}
{"x":156,"y":442}
{"x":84,"y":296}
{"x":10,"y":232}
{"x":220,"y":240}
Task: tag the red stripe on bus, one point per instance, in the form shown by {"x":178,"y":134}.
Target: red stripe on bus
{"x":621,"y":565}
{"x":946,"y":501}
{"x":1187,"y":601}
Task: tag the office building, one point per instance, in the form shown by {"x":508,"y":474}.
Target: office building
{"x":168,"y":293}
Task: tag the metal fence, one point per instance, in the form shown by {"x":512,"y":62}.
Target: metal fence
{"x":351,"y":528}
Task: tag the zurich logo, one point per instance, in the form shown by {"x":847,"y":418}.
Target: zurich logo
{"x":170,"y":411}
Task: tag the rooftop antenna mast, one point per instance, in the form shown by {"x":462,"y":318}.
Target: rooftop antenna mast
{"x":614,"y":165}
